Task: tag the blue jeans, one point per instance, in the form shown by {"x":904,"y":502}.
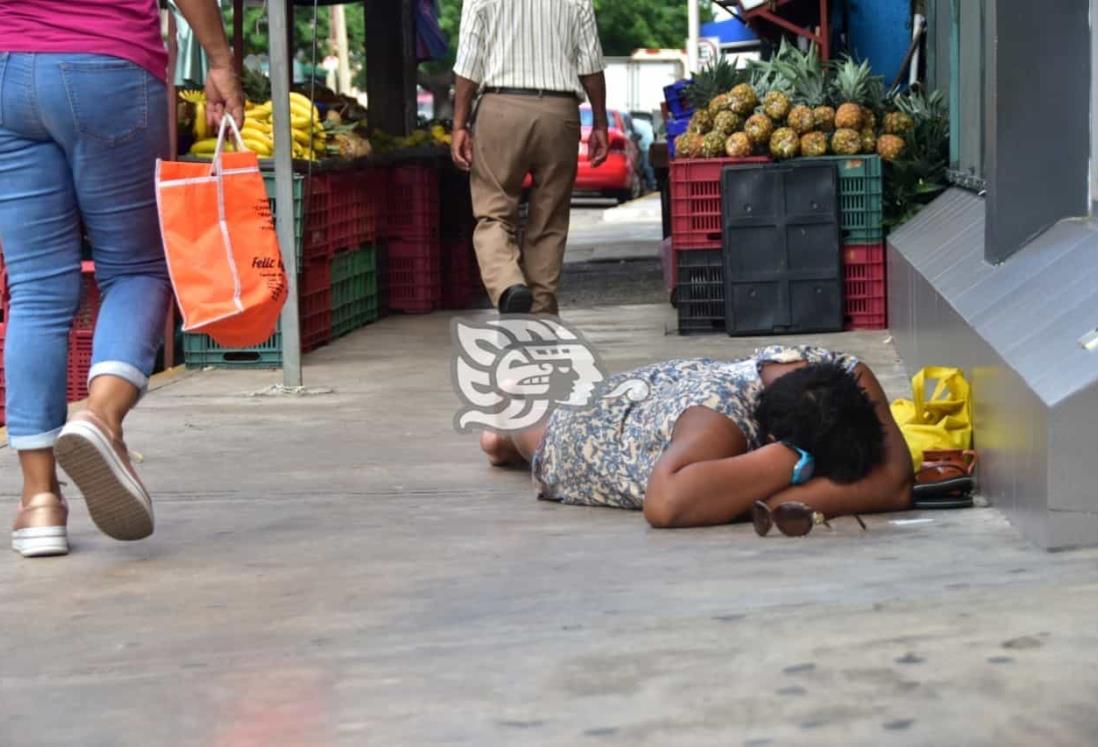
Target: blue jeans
{"x":79,"y":139}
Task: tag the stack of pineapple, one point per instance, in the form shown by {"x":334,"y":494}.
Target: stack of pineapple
{"x":793,"y":105}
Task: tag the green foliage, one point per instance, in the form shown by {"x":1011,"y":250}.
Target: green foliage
{"x":305,"y":32}
{"x":919,"y":176}
{"x":626,"y":25}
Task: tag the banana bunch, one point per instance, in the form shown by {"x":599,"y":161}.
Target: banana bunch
{"x":309,"y":138}
{"x":197,"y":99}
{"x":440,"y":135}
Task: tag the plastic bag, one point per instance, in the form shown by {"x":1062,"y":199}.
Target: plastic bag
{"x":221,"y":245}
{"x":940,"y":420}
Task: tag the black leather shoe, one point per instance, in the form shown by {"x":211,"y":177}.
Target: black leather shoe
{"x":516,"y":300}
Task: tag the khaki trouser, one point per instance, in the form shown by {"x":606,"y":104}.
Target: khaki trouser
{"x":516,"y":135}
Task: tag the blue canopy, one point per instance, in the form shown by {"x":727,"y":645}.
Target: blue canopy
{"x":729,"y":31}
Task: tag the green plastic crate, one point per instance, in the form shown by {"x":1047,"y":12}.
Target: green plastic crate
{"x":354,"y":290}
{"x":200,"y":351}
{"x":861,"y":196}
{"x":299,"y":210}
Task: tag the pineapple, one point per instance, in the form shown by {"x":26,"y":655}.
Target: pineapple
{"x":898,"y":123}
{"x":759,"y":128}
{"x":891,"y":147}
{"x":722,"y":102}
{"x":738,"y":145}
{"x":848,"y":117}
{"x":701,"y":122}
{"x":869,"y":141}
{"x":823,"y":117}
{"x":690,"y":146}
{"x":801,"y":120}
{"x":814,"y":145}
{"x":869,"y":119}
{"x":808,"y":76}
{"x":706,"y":84}
{"x":682,"y":145}
{"x":712,"y":145}
{"x":851,"y":87}
{"x":744,"y":99}
{"x":846,"y":142}
{"x":776,"y":106}
{"x":727,"y":122}
{"x":784,"y":143}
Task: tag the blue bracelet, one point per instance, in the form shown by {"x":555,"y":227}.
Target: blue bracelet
{"x":806,"y":465}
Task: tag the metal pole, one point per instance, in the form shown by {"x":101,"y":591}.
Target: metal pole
{"x":692,"y":35}
{"x":284,"y":187}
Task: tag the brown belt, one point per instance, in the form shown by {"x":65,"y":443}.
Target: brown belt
{"x":530,"y":92}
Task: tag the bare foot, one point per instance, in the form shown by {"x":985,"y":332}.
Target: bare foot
{"x":500,"y":449}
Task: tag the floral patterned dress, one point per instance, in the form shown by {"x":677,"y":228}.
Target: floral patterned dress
{"x":603,"y":455}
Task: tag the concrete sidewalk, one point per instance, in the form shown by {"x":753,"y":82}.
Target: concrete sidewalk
{"x":626,"y":232}
{"x":343,"y":569}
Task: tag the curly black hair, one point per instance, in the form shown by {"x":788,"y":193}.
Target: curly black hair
{"x":822,"y":409}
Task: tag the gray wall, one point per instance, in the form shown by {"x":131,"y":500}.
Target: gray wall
{"x":1014,"y":328}
{"x":1037,"y":61}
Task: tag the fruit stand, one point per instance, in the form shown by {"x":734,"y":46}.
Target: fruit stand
{"x":888,"y":147}
{"x":368,"y":230}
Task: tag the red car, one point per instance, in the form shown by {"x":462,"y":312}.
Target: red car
{"x":619,"y":177}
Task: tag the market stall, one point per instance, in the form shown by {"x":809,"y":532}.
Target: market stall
{"x":368,"y":230}
{"x":365,"y":232}
{"x":784,"y":178}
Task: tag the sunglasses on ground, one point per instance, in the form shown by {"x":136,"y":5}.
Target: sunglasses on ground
{"x":793,"y":519}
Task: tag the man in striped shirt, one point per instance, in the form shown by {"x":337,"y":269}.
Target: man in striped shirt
{"x":531,"y":61}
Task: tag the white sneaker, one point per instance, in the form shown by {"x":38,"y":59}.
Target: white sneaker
{"x":39,"y":528}
{"x":99,"y":464}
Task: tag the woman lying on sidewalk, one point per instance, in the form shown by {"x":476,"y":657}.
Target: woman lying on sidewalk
{"x":713,"y":437}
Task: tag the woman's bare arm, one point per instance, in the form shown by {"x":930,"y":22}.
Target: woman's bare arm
{"x":706,"y":478}
{"x":886,"y":488}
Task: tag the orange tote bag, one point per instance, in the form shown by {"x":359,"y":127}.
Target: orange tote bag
{"x":221,"y":245}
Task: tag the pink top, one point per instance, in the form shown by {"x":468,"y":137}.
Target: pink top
{"x":129,"y":29}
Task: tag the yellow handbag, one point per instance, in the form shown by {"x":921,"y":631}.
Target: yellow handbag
{"x":941,"y":421}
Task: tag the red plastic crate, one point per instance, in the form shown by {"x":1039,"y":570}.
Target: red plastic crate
{"x":374,"y":184}
{"x":88,"y":312}
{"x":865,"y":290}
{"x":696,"y":200}
{"x":80,"y":356}
{"x":413,"y":212}
{"x":462,"y":287}
{"x":315,"y":305}
{"x":415,"y":285}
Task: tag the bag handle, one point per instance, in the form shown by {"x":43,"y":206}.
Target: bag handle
{"x":227,"y":121}
{"x":942,"y":377}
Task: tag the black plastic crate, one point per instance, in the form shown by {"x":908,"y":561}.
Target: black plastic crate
{"x":782,"y":249}
{"x":699,"y":292}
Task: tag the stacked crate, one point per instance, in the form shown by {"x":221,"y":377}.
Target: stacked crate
{"x":80,"y":335}
{"x":354,"y":290}
{"x":413,"y":253}
{"x":340,"y":219}
{"x":679,"y":111}
{"x":696,"y":237}
{"x":462,"y":287}
{"x":861,"y":200}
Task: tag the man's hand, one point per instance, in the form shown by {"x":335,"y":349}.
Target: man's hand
{"x":598,"y":146}
{"x":461,"y":149}
{"x":223,"y":96}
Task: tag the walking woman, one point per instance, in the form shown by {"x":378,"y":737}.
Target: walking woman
{"x":83,"y":118}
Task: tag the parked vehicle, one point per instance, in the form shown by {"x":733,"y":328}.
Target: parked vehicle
{"x":620,"y":176}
